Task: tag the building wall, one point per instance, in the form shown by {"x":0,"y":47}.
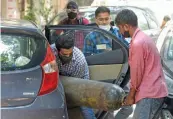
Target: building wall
{"x":3,"y":8}
{"x":59,"y":5}
{"x":9,"y":9}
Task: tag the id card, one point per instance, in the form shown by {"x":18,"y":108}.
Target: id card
{"x":101,"y":47}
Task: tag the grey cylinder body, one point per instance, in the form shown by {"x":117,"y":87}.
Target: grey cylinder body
{"x":94,"y":94}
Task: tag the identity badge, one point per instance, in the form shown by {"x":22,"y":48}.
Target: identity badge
{"x":101,"y":47}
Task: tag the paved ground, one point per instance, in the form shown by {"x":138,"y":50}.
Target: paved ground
{"x":130,"y":117}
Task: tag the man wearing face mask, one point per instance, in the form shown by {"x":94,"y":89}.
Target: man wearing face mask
{"x":147,"y":82}
{"x":74,"y":19}
{"x":71,"y":62}
{"x":96,"y":42}
{"x":73,"y":15}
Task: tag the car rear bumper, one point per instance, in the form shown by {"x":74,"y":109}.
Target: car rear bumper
{"x":49,"y":106}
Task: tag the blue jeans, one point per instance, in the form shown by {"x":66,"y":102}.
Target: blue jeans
{"x":147,"y":108}
{"x":88,"y":113}
{"x":124,"y":112}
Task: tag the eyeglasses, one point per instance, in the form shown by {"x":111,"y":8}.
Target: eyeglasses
{"x":71,"y":10}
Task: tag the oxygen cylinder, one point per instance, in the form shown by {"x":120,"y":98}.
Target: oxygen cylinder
{"x":90,"y":93}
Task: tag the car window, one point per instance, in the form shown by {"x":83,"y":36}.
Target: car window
{"x":89,"y":42}
{"x":104,"y":51}
{"x":142,"y":22}
{"x":151,"y":21}
{"x":96,"y":42}
{"x":167,"y":52}
{"x":18,"y":52}
{"x":78,"y":35}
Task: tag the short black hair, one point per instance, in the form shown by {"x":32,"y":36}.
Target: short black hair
{"x":101,"y":9}
{"x":126,"y":16}
{"x":65,"y":41}
{"x":72,"y":4}
{"x":166,"y":18}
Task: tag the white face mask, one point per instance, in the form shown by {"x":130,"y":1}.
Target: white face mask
{"x":105,"y":27}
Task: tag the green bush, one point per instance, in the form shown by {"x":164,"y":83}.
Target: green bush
{"x":30,"y":15}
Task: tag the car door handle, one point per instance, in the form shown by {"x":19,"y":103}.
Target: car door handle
{"x":120,"y":79}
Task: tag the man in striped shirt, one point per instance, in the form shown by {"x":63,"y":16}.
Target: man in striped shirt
{"x":96,"y":42}
{"x":71,"y":62}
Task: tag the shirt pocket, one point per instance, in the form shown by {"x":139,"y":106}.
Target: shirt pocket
{"x":103,"y":47}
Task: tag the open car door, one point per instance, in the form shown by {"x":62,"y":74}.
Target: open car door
{"x":110,"y":66}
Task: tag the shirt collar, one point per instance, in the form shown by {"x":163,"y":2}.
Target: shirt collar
{"x":74,"y":57}
{"x":111,"y":29}
{"x":135,"y":33}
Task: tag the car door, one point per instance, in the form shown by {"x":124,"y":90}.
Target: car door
{"x":109,"y":66}
{"x":167,"y":53}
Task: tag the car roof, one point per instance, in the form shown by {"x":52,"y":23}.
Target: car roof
{"x":112,"y":8}
{"x":16,"y":23}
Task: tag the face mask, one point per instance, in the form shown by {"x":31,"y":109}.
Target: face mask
{"x":72,"y":15}
{"x":65,"y":59}
{"x":105,"y":27}
{"x":126,"y":34}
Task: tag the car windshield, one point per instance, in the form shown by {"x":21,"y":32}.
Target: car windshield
{"x":18,"y":52}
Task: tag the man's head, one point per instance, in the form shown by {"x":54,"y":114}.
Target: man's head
{"x":166,"y":18}
{"x":65,"y":45}
{"x":72,"y":10}
{"x":126,"y":21}
{"x":102,"y":17}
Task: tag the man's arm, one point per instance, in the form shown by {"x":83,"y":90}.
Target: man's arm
{"x":82,"y":70}
{"x":136,"y":71}
{"x":88,"y":44}
{"x":136,"y":67}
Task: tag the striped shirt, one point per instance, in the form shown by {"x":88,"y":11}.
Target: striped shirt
{"x":96,"y":43}
{"x":77,"y":67}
